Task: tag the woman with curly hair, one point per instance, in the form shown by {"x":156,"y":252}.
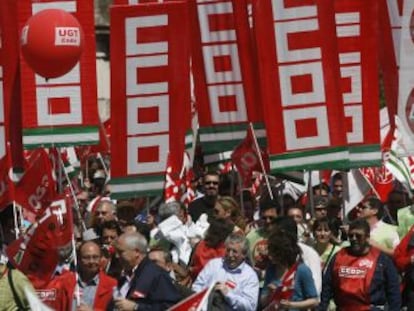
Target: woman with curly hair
{"x":288,"y":281}
{"x":212,"y":246}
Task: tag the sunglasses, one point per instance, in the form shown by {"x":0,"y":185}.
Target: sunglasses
{"x":268,"y":217}
{"x":211,"y":182}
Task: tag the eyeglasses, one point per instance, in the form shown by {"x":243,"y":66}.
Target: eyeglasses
{"x":357,"y":236}
{"x":210,"y":182}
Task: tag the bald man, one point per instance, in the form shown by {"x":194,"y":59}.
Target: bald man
{"x":96,"y":287}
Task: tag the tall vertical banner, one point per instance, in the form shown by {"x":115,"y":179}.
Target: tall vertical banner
{"x":11,"y":149}
{"x":356,"y":30}
{"x":150,"y":90}
{"x":61,"y":111}
{"x":299,"y":74}
{"x":406,"y":78}
{"x":390,"y":18}
{"x":224,"y":79}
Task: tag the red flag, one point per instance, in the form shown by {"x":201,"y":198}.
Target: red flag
{"x":189,"y":194}
{"x":172,"y":187}
{"x":37,"y":187}
{"x":246,"y":158}
{"x":381,"y":180}
{"x":186,"y":179}
{"x":256,"y":184}
{"x":194,"y":302}
{"x":36,"y":253}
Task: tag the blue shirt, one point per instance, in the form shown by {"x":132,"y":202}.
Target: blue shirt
{"x":303,"y":286}
{"x":88,"y":291}
{"x":246,"y":292}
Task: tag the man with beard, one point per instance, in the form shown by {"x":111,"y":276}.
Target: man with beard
{"x":361,"y":277}
{"x":205,"y":204}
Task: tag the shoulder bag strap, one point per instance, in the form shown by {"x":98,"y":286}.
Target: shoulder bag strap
{"x":16,"y":297}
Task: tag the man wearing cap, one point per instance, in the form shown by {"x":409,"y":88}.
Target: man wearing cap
{"x":320,"y":206}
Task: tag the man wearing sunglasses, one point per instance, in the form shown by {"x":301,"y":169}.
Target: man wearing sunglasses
{"x":361,"y":277}
{"x":205,"y":204}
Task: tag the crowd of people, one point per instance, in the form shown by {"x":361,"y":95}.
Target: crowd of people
{"x":268,"y":251}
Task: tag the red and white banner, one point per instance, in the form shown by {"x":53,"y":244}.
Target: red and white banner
{"x":150,"y":92}
{"x":299,"y":74}
{"x":390,"y":18}
{"x":132,"y":2}
{"x":406,"y":82}
{"x":225,"y":81}
{"x":357,"y":37}
{"x":61,"y":111}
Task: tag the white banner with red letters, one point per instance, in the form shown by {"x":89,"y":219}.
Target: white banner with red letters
{"x":225,"y":81}
{"x":61,"y":111}
{"x":150,"y":92}
{"x":356,"y":30}
{"x":299,"y":75}
{"x":406,"y":78}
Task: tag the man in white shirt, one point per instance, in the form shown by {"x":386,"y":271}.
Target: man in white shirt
{"x":234,"y":278}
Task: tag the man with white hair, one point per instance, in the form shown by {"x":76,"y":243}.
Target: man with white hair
{"x":235,"y":280}
{"x":145,"y":286}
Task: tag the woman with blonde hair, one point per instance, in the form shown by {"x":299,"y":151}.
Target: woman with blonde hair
{"x":228,"y":209}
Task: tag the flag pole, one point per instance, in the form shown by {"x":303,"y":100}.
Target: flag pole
{"x":99,"y":156}
{"x":269,"y":189}
{"x":72,"y":192}
{"x":310,"y":194}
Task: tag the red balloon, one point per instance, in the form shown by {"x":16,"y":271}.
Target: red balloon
{"x":52,"y":42}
